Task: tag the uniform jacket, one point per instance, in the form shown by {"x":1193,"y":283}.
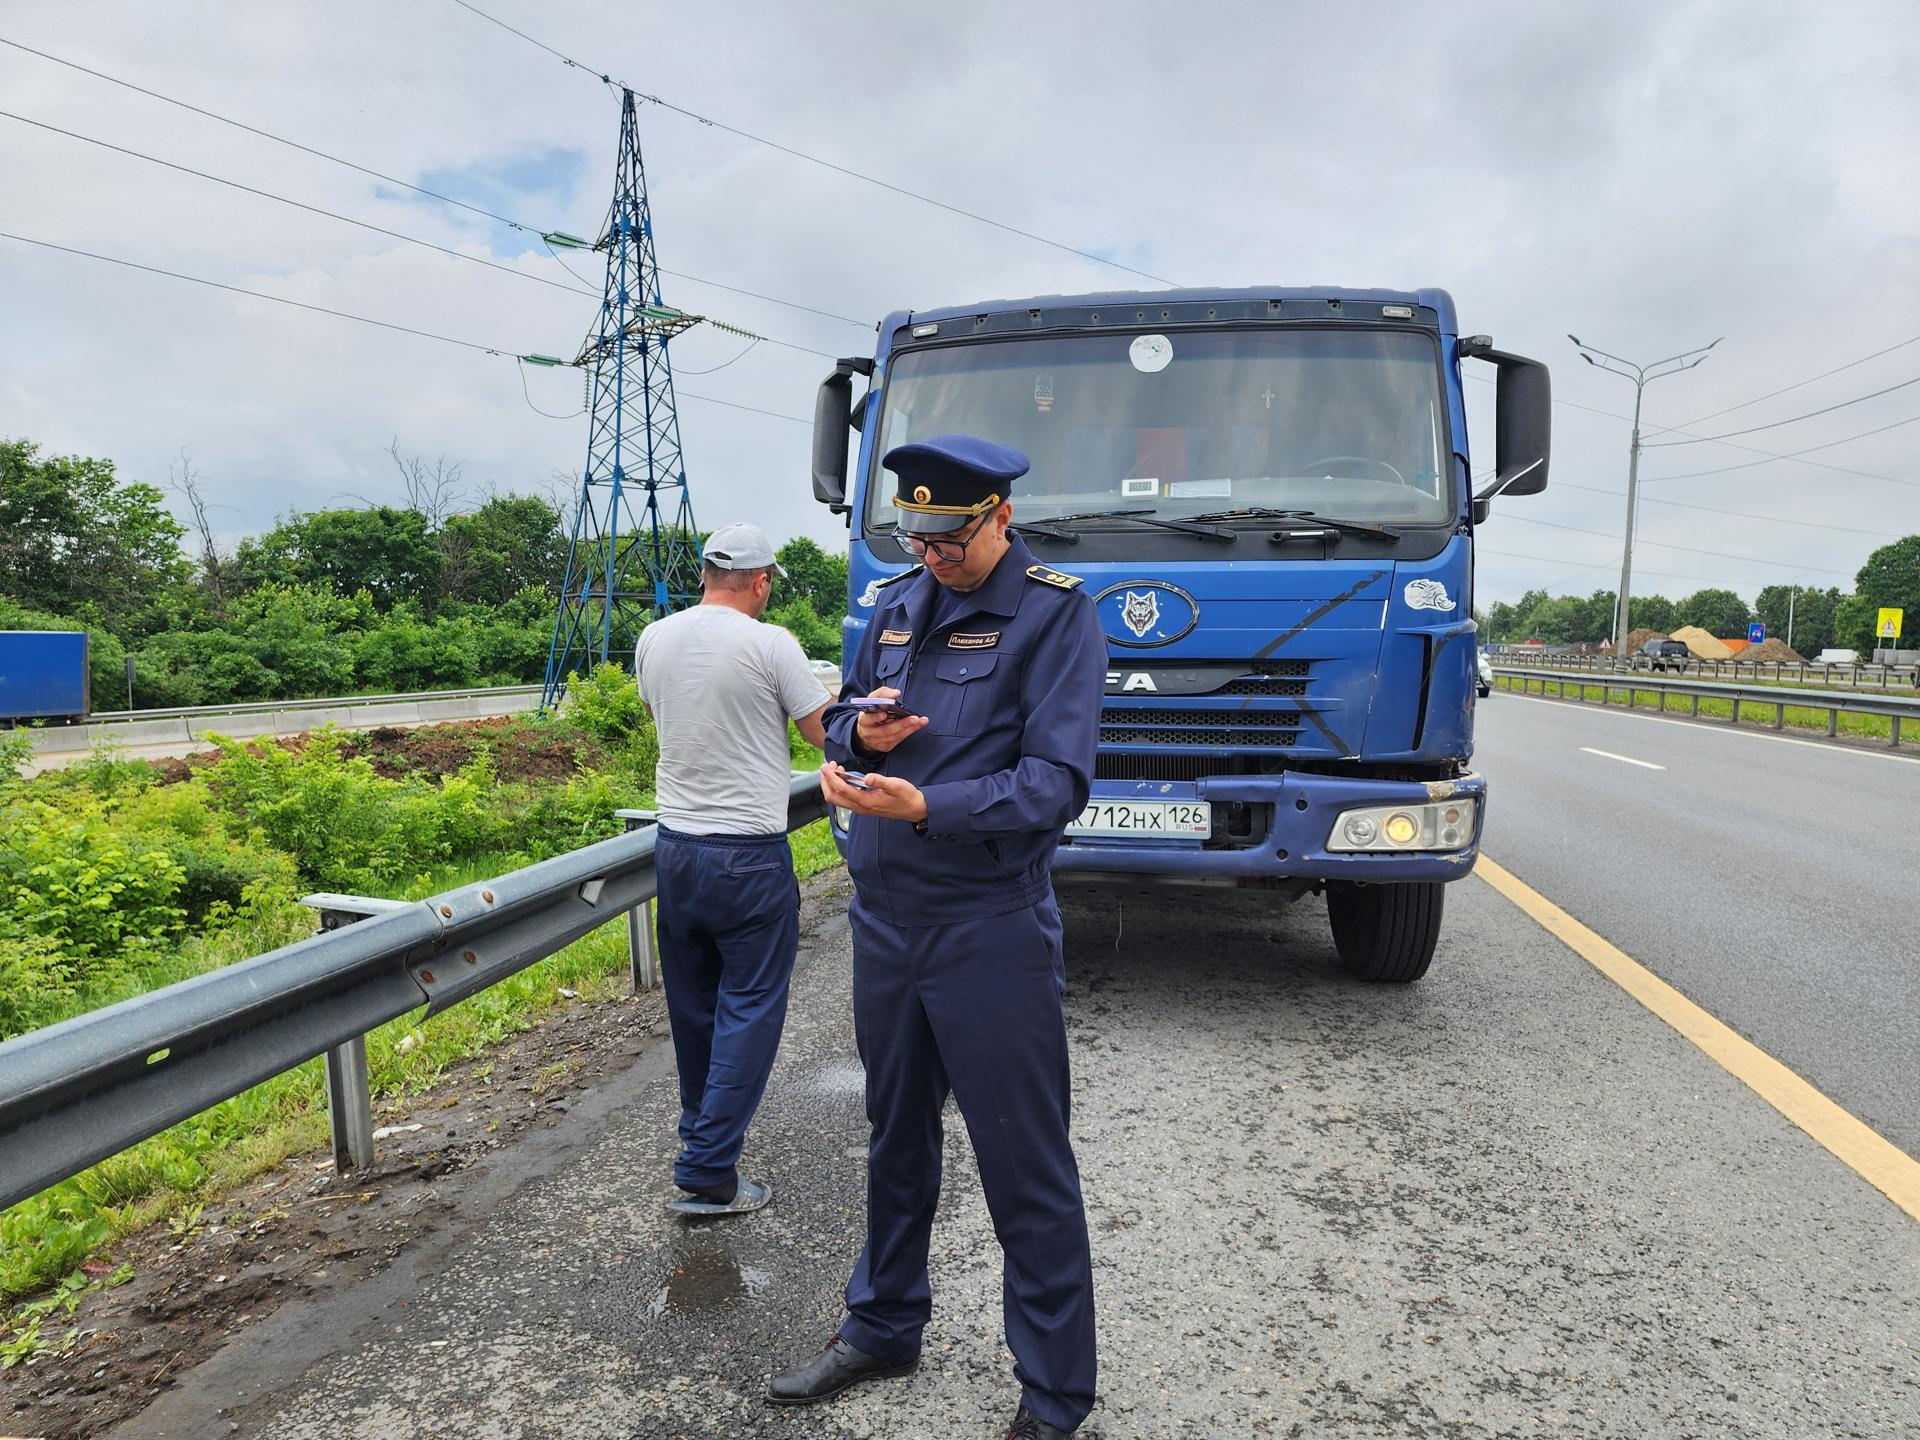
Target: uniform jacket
{"x":1012,"y":689}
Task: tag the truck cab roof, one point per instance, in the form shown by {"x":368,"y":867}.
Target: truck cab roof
{"x":1175,"y":306}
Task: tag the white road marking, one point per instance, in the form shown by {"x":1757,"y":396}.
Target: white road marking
{"x":1623,"y":759}
{"x":1828,"y":746}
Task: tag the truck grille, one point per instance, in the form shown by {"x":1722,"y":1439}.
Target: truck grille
{"x":1218,"y":719}
{"x":1154,"y":725}
{"x":1262,"y":685}
{"x":1158,"y":735}
{"x":1153,"y":722}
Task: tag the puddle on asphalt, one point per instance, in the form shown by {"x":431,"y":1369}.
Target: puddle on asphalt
{"x":704,"y":1281}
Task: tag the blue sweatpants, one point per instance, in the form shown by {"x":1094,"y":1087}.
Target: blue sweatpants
{"x":729,"y":910}
{"x":973,"y":1008}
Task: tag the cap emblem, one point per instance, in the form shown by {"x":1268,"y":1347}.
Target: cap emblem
{"x":922,"y":495}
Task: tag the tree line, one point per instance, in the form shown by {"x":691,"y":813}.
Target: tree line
{"x":1821,"y":619}
{"x":448,"y":590}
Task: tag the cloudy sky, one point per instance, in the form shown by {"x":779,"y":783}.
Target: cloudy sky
{"x":1648,"y":176}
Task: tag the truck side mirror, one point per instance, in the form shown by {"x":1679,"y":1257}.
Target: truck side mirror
{"x":832,"y":418}
{"x":1523,"y":424}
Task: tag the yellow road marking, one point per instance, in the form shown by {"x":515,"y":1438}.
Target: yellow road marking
{"x":1866,"y":1152}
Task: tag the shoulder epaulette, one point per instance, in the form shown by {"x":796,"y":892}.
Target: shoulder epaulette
{"x":907,"y":574}
{"x":1047,"y":575}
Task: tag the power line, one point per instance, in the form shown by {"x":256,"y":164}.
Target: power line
{"x":1663,"y":545}
{"x":497,"y":350}
{"x":1607,"y":565}
{"x":349,"y":220}
{"x":1793,"y":520}
{"x":506,"y":220}
{"x":260,"y":295}
{"x":1800,"y":384}
{"x":296,"y":204}
{"x":1750,"y":449}
{"x":812,"y":159}
{"x":1770,"y":457}
{"x":1776,"y":424}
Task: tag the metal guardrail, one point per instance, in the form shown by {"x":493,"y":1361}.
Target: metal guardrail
{"x":1786,"y":671}
{"x":87,"y":1088}
{"x":279,"y":717}
{"x":1895,"y":708}
{"x":273,"y":707}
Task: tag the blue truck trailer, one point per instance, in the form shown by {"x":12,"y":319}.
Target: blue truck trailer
{"x":43,"y":675}
{"x":1267,"y":493}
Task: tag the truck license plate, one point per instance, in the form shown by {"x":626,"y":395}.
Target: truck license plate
{"x":1189,"y":820}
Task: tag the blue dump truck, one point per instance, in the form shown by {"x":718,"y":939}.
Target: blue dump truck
{"x":43,"y":675}
{"x":1267,"y":494}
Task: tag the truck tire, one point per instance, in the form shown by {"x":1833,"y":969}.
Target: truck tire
{"x":1386,"y":933}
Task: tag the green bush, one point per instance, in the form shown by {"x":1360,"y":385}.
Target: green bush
{"x":346,"y":826}
{"x":38,"y":983}
{"x":67,"y":873}
{"x":580,"y":812}
{"x":607,"y":705}
{"x":218,"y":869}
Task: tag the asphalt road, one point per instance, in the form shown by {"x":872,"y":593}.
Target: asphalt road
{"x":1774,"y":882}
{"x":1505,"y":1202}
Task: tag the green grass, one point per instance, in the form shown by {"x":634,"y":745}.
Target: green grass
{"x":171,"y":1174}
{"x":1874,"y":727}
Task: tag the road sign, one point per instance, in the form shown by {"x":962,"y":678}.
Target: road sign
{"x":1888,"y":626}
{"x":1756,"y":632}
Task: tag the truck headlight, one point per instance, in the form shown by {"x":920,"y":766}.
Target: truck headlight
{"x":1444,"y":825}
{"x":842,"y":819}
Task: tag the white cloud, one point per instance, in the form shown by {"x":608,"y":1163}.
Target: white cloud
{"x":1648,"y":176}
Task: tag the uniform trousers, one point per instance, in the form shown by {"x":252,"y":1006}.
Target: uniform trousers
{"x":729,"y":929}
{"x":973,"y":1009}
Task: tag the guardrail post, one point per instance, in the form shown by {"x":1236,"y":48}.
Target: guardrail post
{"x":349,"y":1088}
{"x":1894,"y":726}
{"x":1779,"y":718}
{"x":350,"y":1106}
{"x":642,"y":953}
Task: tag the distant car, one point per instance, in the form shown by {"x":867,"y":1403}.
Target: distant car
{"x":1666,"y":654}
{"x":1485,"y":683}
{"x":824,"y":667}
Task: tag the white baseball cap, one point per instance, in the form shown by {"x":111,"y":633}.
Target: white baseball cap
{"x":740,"y":547}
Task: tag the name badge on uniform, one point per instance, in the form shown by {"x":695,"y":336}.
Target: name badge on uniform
{"x":959,"y":641}
{"x":895,"y":637}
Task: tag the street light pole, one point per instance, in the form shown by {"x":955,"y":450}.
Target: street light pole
{"x":1641,"y":376}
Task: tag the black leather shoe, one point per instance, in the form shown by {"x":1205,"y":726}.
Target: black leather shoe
{"x":833,"y":1370}
{"x":1029,"y":1426}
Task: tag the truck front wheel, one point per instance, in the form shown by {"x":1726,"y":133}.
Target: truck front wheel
{"x":1386,"y":933}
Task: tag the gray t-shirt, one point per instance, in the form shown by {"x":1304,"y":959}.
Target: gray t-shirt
{"x":722,"y":686}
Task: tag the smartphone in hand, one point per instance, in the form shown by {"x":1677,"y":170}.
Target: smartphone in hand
{"x":873,"y":705}
{"x":856,"y":778}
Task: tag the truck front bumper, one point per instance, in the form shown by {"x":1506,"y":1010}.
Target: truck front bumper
{"x":1276,"y":827}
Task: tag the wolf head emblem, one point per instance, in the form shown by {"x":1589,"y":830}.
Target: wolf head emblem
{"x":1141,"y":611}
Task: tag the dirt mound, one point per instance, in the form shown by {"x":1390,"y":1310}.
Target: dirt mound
{"x":520,"y":751}
{"x":1700,"y":644}
{"x":1770,"y":650}
{"x":1637,"y":638}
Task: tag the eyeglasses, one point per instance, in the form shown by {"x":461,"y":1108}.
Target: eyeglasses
{"x":951,"y":552}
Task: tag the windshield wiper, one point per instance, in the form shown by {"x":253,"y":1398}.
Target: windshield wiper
{"x":1366,"y":529}
{"x":1049,"y":525}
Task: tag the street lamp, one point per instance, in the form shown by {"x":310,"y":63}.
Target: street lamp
{"x":1641,"y":376}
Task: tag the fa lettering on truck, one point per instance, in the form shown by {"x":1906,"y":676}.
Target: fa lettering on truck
{"x":1267,"y":494}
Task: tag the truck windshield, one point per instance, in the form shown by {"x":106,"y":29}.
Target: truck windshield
{"x":1347,"y":423}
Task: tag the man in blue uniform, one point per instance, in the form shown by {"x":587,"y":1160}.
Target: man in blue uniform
{"x":958,"y":970}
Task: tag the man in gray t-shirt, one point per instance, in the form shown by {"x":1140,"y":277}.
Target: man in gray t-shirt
{"x":721,"y":686}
